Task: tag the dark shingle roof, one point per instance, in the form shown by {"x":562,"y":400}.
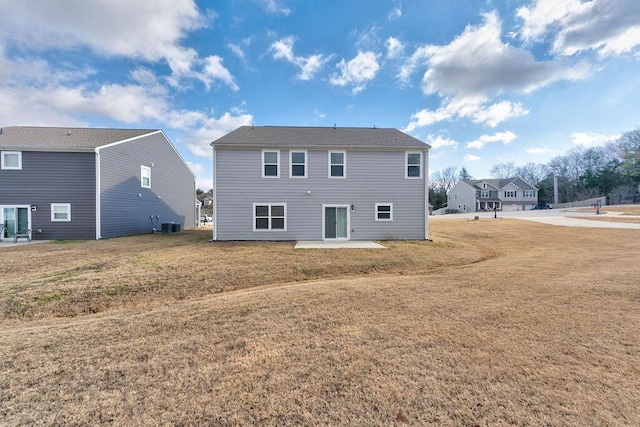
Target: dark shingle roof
{"x":63,"y":139}
{"x":501,"y":183}
{"x":291,"y":136}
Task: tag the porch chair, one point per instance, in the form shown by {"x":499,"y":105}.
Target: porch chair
{"x":24,"y":233}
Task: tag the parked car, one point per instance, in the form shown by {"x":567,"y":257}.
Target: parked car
{"x":543,"y":206}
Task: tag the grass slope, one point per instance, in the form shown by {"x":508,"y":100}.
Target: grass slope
{"x":495,"y":322}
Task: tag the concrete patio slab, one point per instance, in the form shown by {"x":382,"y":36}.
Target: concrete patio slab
{"x":326,"y":244}
{"x":8,"y":242}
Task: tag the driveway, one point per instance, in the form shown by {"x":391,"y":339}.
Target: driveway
{"x":560,"y":217}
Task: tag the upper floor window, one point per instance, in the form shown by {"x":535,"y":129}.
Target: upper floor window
{"x":413,"y":167}
{"x":298,"y":160}
{"x":11,"y":160}
{"x":145,"y":176}
{"x":484,"y":194}
{"x":510,"y":193}
{"x":337,"y":164}
{"x":528,"y":194}
{"x":270,"y":163}
{"x":484,"y":185}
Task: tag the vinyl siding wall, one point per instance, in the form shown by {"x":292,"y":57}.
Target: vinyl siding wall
{"x":125,"y":206}
{"x":49,"y":177}
{"x":371,"y":177}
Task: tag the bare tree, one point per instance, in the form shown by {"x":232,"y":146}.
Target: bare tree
{"x":533,"y":173}
{"x":503,"y":170}
{"x":443,"y":179}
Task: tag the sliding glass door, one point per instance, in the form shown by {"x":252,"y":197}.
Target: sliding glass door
{"x":336,"y":222}
{"x":15,"y":219}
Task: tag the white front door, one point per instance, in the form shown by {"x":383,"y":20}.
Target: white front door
{"x":335,"y":222}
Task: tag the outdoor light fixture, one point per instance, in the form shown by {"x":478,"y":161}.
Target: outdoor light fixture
{"x":352,"y":207}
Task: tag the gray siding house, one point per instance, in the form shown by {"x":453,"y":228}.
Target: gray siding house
{"x":476,"y":195}
{"x":79,"y":183}
{"x":312,"y":183}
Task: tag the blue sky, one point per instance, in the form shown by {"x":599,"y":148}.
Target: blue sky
{"x":483,"y":82}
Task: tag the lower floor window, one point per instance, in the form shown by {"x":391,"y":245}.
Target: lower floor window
{"x":269,"y":216}
{"x":60,"y":212}
{"x":384,"y":212}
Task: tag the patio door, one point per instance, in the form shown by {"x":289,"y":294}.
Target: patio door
{"x":15,"y":219}
{"x":336,"y":222}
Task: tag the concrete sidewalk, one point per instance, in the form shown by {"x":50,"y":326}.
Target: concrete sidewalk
{"x":331,"y":244}
{"x":576,"y":222}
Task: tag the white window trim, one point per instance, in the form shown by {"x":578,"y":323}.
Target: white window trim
{"x":406,"y":164}
{"x":277,"y":175}
{"x":485,"y":194}
{"x":5,"y":167}
{"x":344,"y":164}
{"x":306,"y":163}
{"x":528,"y":194}
{"x":142,"y":176}
{"x":376,"y":218}
{"x":514,"y":196}
{"x":269,"y":230}
{"x":65,"y":205}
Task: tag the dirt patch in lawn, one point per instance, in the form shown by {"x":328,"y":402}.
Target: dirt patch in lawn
{"x":495,"y":322}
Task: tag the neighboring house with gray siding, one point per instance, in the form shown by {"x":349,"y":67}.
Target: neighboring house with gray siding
{"x":312,"y":183}
{"x":477,"y":195}
{"x":81,"y":183}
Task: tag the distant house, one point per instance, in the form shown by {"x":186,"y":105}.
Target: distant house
{"x":476,"y":195}
{"x":206,"y":203}
{"x":78,"y":183}
{"x":313,"y":183}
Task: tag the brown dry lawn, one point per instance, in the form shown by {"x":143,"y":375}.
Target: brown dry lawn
{"x":495,"y":322}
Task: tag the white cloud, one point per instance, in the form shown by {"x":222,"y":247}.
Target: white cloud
{"x":309,"y":65}
{"x":478,"y":63}
{"x":114,"y":28}
{"x":395,"y":47}
{"x":474,"y":108}
{"x":504,"y":137}
{"x":471,"y":158}
{"x":204,"y":179}
{"x":214,"y":70}
{"x":439,"y":142}
{"x":497,"y":113}
{"x":210,"y":128}
{"x":108,"y":28}
{"x":611,"y":27}
{"x":396,"y":12}
{"x":591,"y":139}
{"x":357,"y":72}
{"x":475,"y":67}
{"x":275,"y":7}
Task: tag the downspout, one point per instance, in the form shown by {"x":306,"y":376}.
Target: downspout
{"x":215,"y":197}
{"x":426,"y":194}
{"x":98,"y":216}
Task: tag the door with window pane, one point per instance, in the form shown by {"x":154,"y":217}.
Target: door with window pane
{"x":336,"y":222}
{"x":15,"y":220}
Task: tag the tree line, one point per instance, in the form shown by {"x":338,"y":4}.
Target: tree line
{"x":611,"y":170}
